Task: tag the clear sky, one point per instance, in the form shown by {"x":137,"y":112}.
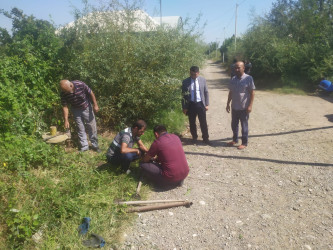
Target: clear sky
{"x":219,"y":15}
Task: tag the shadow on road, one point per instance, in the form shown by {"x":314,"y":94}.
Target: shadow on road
{"x":326,"y":96}
{"x":218,"y":62}
{"x":221,"y":83}
{"x":294,"y":131}
{"x":317,"y":164}
{"x":329,"y":117}
{"x":222,"y":142}
{"x":214,"y":143}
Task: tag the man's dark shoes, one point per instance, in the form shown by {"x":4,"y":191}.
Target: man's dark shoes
{"x":81,"y":150}
{"x":231,"y":143}
{"x":207,"y":142}
{"x":194,"y":139}
{"x":96,"y":149}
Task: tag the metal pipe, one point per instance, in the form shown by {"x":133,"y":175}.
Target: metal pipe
{"x":157,"y":207}
{"x":147,"y":202}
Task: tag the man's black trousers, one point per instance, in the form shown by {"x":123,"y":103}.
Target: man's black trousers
{"x":198,"y":109}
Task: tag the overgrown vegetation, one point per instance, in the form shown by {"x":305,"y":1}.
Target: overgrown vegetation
{"x":134,"y":73}
{"x":45,"y":191}
{"x":291,"y":45}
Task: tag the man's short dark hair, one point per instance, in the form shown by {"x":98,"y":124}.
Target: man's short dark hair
{"x":159,"y":129}
{"x":139,"y":124}
{"x":194,"y":69}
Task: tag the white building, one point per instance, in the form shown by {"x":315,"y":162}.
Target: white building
{"x":133,"y":21}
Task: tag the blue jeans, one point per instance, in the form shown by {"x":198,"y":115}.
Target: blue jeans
{"x":240,"y":116}
{"x":85,"y":119}
{"x":123,"y":159}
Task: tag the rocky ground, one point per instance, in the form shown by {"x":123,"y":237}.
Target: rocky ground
{"x":275,"y":194}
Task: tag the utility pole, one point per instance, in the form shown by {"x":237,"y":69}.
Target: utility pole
{"x":161,"y":12}
{"x":223,"y":44}
{"x":216,"y":48}
{"x":236,"y":26}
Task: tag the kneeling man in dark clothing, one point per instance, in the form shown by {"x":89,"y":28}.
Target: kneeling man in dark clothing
{"x":121,"y":150}
{"x":165,"y":163}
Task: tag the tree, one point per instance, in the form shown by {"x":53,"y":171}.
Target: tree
{"x":29,"y":70}
{"x":292,"y":43}
{"x":135,"y":74}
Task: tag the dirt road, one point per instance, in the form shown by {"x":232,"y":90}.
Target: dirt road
{"x":275,"y":194}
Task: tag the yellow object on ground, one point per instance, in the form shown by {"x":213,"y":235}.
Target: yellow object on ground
{"x":53,"y":130}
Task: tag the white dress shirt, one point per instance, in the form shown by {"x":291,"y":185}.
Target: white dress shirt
{"x":196,"y":82}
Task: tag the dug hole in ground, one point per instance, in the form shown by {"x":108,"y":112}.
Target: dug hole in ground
{"x":275,"y":194}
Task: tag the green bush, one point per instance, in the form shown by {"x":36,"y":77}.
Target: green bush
{"x":28,"y":68}
{"x":26,"y":96}
{"x":134,"y":74}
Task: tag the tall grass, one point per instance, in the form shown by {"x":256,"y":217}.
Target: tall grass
{"x":50,"y":202}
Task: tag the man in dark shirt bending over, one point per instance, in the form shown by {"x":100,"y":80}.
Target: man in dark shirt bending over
{"x":83,"y":105}
{"x":165,"y":163}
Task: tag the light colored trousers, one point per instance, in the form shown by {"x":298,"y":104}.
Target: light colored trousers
{"x":85,"y":119}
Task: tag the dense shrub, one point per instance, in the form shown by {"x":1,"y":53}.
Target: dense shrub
{"x":27,"y":96}
{"x":28,"y":66}
{"x":135,"y":74}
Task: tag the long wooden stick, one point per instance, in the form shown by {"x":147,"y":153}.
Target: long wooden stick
{"x":147,"y":202}
{"x":156,"y":207}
